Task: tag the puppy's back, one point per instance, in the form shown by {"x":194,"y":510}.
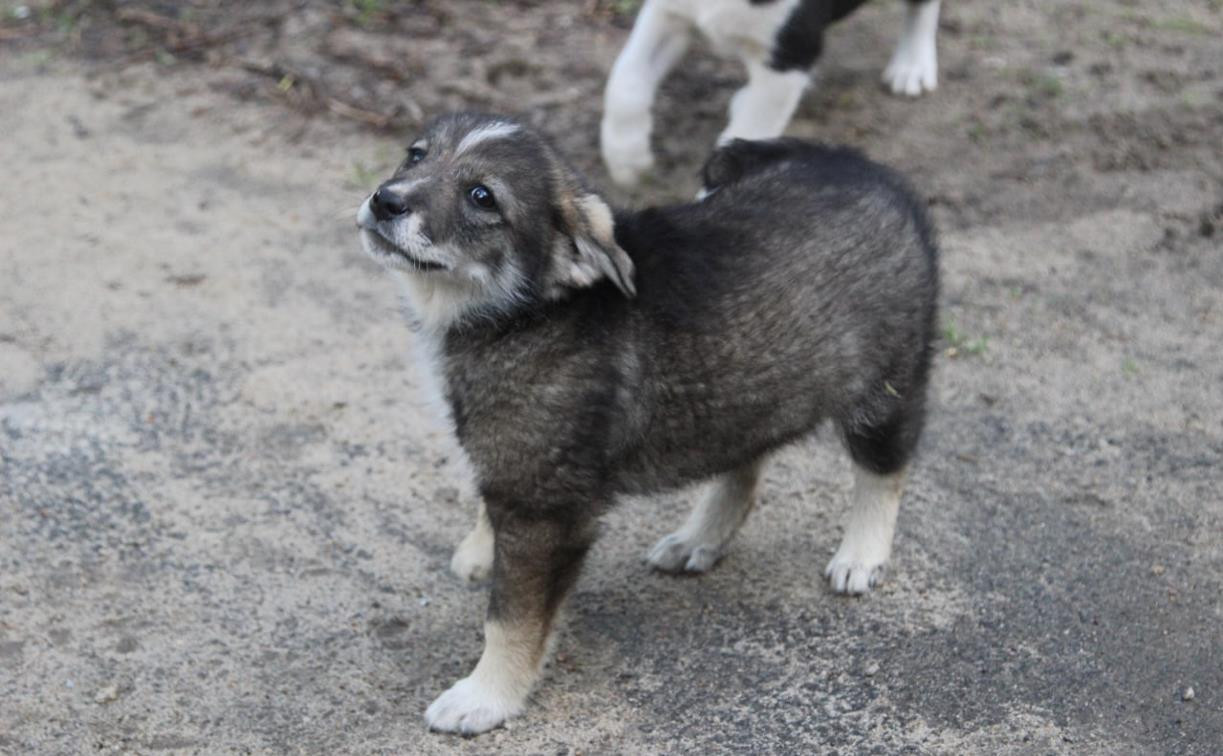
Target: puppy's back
{"x":810,"y":273}
{"x":818,"y":228}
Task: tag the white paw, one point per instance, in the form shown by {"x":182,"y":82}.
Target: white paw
{"x":854,"y":576}
{"x":469,"y":708}
{"x":681,"y":553}
{"x":911,"y":73}
{"x":473,"y":559}
{"x":627,"y":168}
{"x":626,"y":153}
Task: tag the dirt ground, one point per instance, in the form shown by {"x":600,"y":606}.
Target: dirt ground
{"x":226,"y":513}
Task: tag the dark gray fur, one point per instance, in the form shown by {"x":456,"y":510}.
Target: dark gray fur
{"x":802,"y":289}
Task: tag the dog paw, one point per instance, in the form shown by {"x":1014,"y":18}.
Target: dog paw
{"x":469,"y":708}
{"x":628,"y":170}
{"x":911,"y":74}
{"x":853,"y":576}
{"x":680,"y":553}
{"x":473,"y":559}
{"x":626,"y":152}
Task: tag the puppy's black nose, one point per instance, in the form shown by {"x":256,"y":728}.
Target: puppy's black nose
{"x":386,"y":204}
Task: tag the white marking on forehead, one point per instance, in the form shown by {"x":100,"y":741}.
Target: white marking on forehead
{"x":405,"y":185}
{"x":497,"y":130}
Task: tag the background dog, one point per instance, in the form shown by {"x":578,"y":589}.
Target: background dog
{"x":582,"y":358}
{"x":779,"y":41}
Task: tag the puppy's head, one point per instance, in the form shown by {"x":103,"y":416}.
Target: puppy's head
{"x":484,"y":214}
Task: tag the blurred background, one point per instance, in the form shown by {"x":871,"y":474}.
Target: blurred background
{"x":226,"y":512}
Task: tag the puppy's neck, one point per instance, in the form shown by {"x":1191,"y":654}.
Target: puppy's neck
{"x":438,"y":305}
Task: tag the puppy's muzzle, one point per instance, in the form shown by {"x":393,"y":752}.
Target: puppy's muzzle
{"x":386,"y":204}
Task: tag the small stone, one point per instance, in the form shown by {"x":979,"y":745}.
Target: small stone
{"x":107,"y":694}
{"x":871,"y":670}
{"x":1158,"y":569}
{"x":1189,"y":694}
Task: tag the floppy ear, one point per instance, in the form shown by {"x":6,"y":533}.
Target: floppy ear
{"x":587,"y":251}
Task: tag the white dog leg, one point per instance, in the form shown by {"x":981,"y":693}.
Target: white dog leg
{"x":657,"y":42}
{"x":496,"y":690}
{"x":473,"y":559}
{"x":713,"y":522}
{"x":763,"y":107}
{"x":858,"y":564}
{"x":914,"y":66}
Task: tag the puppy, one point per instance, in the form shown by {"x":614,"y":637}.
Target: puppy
{"x":779,"y":41}
{"x":584,"y":355}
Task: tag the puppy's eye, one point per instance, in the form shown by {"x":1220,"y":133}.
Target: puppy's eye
{"x":415,"y":154}
{"x":482,"y":196}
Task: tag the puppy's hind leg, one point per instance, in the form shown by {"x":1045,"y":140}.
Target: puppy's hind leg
{"x":473,"y":559}
{"x":858,"y":564}
{"x":697,"y":545}
{"x":657,"y":42}
{"x":880,"y":454}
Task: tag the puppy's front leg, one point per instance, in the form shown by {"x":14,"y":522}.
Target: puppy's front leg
{"x":537,"y":556}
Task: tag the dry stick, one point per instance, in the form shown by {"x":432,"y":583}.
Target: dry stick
{"x":339,"y":107}
{"x":7,"y":33}
{"x":315,"y":93}
{"x":184,"y":36}
{"x":158,"y":21}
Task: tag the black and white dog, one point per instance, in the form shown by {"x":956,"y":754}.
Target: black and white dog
{"x":584,"y":355}
{"x":779,"y":41}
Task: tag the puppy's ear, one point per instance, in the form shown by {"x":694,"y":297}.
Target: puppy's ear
{"x":587,"y":251}
{"x":724,"y":166}
{"x":739,"y":157}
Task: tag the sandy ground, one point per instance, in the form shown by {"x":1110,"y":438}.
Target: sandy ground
{"x":226,"y":514}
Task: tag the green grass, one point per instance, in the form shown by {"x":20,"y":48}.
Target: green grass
{"x":1183,"y":25}
{"x":625,"y":7}
{"x":960,"y":343}
{"x":363,"y":177}
{"x":977,"y":132}
{"x":1043,"y":85}
{"x":368,"y":11}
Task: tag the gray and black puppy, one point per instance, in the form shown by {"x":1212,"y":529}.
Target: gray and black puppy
{"x":582,"y":355}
